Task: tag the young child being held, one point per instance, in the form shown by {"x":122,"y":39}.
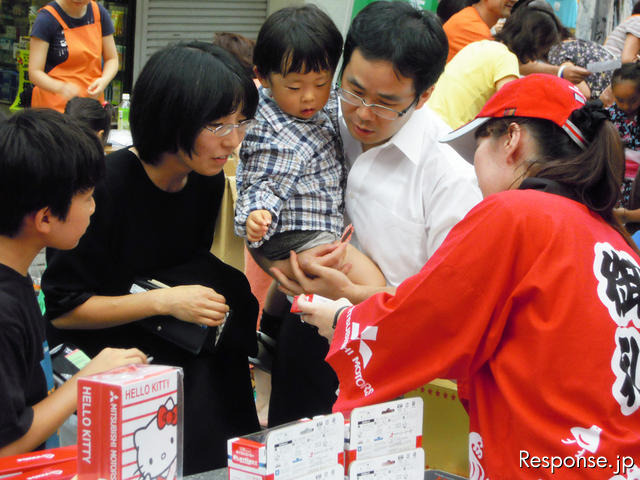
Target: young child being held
{"x":49,"y":165}
{"x":625,"y":86}
{"x":292,"y":173}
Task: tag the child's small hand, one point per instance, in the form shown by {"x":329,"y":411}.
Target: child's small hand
{"x":110,"y":358}
{"x":258,"y":224}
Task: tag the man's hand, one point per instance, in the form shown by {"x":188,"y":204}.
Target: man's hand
{"x":330,"y":255}
{"x":315,"y":278}
{"x":258,"y":224}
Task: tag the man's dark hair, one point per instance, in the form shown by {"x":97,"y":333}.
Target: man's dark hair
{"x":636,"y":9}
{"x":297,"y":39}
{"x":412,"y":40}
{"x":45,"y":159}
{"x":180,"y":90}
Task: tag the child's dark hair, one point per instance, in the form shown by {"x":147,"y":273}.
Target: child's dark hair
{"x":45,"y":159}
{"x":628,"y":71}
{"x":297,"y":39}
{"x":92,"y":113}
{"x":593,"y":175}
{"x":238,"y":45}
{"x":636,"y":9}
{"x":412,"y":40}
{"x":180,"y":90}
{"x":531,"y":31}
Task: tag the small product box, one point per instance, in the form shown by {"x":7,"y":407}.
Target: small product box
{"x":289,"y":452}
{"x":383,"y":429}
{"x":407,"y":465}
{"x":130,"y":424}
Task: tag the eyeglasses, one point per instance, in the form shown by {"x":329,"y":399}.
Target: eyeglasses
{"x":226,"y":128}
{"x":380,"y":110}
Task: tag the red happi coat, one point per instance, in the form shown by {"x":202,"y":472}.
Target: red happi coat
{"x":533,"y":299}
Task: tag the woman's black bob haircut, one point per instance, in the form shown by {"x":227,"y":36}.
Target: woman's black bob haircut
{"x":411,"y":39}
{"x":297,"y":39}
{"x":46,"y":158}
{"x":180,"y":90}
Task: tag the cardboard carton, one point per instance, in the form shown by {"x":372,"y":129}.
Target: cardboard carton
{"x":130,"y":424}
{"x":383,"y":429}
{"x":288,"y":452}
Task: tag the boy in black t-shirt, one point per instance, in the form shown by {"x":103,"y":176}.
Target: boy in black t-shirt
{"x":49,"y":165}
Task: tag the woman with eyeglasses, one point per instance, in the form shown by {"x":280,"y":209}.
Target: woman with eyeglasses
{"x":481,"y":68}
{"x":155,"y":217}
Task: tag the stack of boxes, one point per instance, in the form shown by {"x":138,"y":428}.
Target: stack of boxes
{"x":303,"y":450}
{"x":385,"y":440}
{"x":378,"y":441}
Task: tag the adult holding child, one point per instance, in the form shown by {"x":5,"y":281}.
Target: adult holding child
{"x":404,"y":190}
{"x":532,"y":292}
{"x":72,"y":53}
{"x":155,"y":217}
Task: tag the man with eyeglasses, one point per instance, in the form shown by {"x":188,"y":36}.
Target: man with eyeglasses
{"x":405,"y":190}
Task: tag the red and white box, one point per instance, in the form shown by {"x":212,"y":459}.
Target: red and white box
{"x":403,"y":465}
{"x":130,"y":424}
{"x":18,"y":466}
{"x":289,"y":452}
{"x":384,"y":428}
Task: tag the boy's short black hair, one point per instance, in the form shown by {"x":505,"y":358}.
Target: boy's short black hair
{"x":411,"y":39}
{"x":45,"y":159}
{"x":297,"y":39}
{"x":180,"y":90}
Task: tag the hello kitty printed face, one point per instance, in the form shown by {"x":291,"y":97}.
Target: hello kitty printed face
{"x":155,"y":444}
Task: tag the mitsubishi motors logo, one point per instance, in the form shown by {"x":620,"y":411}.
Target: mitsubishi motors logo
{"x":112,"y":396}
{"x":359,"y":359}
{"x":370,"y":334}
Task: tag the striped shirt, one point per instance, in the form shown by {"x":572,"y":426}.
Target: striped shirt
{"x":294,"y":169}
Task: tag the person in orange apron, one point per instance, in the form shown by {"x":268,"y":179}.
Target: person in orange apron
{"x":69,"y":40}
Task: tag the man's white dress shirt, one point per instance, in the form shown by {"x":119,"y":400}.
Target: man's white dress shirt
{"x":404,"y":196}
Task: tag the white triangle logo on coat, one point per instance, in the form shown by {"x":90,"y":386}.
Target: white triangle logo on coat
{"x":370,"y":334}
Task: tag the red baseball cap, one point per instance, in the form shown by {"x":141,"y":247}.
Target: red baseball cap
{"x":538,"y":96}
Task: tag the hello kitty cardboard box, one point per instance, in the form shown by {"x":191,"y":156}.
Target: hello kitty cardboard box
{"x":130,"y":424}
{"x":293,"y":451}
{"x":383,"y":428}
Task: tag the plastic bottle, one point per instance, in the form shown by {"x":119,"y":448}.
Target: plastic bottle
{"x":123,"y":113}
